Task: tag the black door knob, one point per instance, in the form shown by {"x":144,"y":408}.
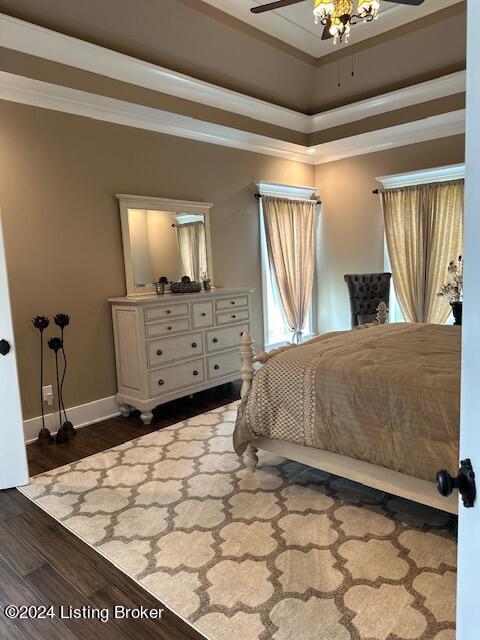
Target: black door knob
{"x":169,"y":328}
{"x":4,"y":347}
{"x":161,"y":382}
{"x":194,"y":345}
{"x":464,"y":482}
{"x":203,"y":315}
{"x":195,"y":373}
{"x":216,"y":367}
{"x":169,"y":311}
{"x":233,"y":316}
{"x":159,"y":352}
{"x":215,"y":340}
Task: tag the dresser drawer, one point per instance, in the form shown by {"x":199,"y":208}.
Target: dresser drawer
{"x":227,"y":338}
{"x":231,"y":303}
{"x":224,"y":364}
{"x":230,"y":318}
{"x":202,"y":314}
{"x":178,"y":376}
{"x":170,"y":349}
{"x":159,"y":312}
{"x":167,"y":328}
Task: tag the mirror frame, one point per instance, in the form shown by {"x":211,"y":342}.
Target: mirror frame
{"x":127,"y":202}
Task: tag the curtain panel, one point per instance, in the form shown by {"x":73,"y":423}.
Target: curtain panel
{"x":193,"y":249}
{"x":290,"y":235}
{"x":424,"y":231}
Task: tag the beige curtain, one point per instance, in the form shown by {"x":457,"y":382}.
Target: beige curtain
{"x":290,"y":234}
{"x":193,"y":249}
{"x":424,"y":230}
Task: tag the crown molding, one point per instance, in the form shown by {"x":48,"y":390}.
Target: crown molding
{"x":441,"y":126}
{"x":19,"y":89}
{"x":426,"y":176}
{"x":44,"y":43}
{"x":449,"y":85}
{"x":37,"y":41}
{"x":285,"y":190}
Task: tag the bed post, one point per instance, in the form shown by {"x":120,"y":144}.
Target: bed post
{"x":382,"y":315}
{"x":247,"y":354}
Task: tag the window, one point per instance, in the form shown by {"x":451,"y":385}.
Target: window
{"x":428,"y":176}
{"x":276,"y":330}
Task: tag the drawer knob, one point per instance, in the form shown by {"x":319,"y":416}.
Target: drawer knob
{"x":216,"y":367}
{"x":215,"y":340}
{"x":203,"y":314}
{"x":169,"y":311}
{"x":194,"y":345}
{"x":159,"y":352}
{"x":169,"y":328}
{"x":195,"y":373}
{"x":234,"y":316}
{"x":161,"y":382}
{"x":232,"y":302}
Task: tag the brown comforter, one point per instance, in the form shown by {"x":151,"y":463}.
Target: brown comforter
{"x":388,"y":394}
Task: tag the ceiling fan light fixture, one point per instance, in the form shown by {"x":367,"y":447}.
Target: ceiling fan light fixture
{"x":340,"y":30}
{"x":368,"y":8}
{"x":323,"y":10}
{"x":340,"y":22}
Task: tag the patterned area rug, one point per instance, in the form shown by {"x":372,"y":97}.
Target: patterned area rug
{"x":288,"y":553}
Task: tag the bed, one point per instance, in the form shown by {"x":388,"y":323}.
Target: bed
{"x":380,"y":406}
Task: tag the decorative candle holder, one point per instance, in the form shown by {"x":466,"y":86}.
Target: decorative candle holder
{"x":41,"y":323}
{"x":56,"y":344}
{"x":62,"y":320}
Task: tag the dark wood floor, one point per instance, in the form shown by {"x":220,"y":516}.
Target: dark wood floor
{"x":41,"y":563}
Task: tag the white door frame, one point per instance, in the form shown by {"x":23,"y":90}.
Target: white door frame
{"x":468,"y":592}
{"x":13,"y":457}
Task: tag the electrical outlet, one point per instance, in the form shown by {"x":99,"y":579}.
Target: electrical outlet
{"x":47,"y":393}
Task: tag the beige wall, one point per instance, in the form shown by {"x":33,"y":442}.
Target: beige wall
{"x":59,"y":174}
{"x":62,"y":226}
{"x":351,"y":238}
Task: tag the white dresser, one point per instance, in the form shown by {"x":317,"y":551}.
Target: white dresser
{"x":173,"y":345}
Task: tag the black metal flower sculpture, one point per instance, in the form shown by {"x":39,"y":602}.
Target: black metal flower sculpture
{"x":62,"y":320}
{"x":41,"y":323}
{"x":56,"y":344}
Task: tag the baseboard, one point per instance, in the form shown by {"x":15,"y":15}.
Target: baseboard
{"x":80,"y":416}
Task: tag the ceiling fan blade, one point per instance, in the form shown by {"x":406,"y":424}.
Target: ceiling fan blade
{"x":279,"y":4}
{"x":412,"y":3}
{"x":326,"y":35}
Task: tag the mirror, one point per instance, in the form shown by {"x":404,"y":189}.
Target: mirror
{"x":168,"y":239}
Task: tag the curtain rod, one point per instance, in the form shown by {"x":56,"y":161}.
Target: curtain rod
{"x":259,"y":195}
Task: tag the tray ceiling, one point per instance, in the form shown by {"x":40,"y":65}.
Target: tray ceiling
{"x":294,"y":25}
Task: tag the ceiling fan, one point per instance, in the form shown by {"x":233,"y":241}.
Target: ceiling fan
{"x":338,"y":16}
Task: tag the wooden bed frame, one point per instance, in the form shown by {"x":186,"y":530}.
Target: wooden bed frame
{"x":366,"y":473}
